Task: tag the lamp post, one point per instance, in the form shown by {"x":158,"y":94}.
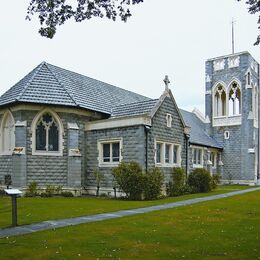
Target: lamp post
{"x":13,"y":193}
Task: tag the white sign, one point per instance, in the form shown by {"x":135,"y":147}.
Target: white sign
{"x":13,"y":191}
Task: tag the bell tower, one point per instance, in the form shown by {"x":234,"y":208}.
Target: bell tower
{"x":232,"y":110}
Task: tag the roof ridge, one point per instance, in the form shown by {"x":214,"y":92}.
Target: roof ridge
{"x":31,"y":79}
{"x":55,"y":76}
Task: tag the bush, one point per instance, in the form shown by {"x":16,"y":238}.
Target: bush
{"x":200,"y":180}
{"x":58,"y":189}
{"x":67,"y":194}
{"x":215,"y":180}
{"x":153,"y":182}
{"x":177,"y":186}
{"x":50,"y":190}
{"x":45,"y":195}
{"x":130,"y":179}
{"x":31,"y":190}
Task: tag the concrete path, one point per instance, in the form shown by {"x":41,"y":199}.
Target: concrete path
{"x":52,"y":224}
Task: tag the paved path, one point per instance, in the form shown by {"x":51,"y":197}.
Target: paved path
{"x":52,"y":224}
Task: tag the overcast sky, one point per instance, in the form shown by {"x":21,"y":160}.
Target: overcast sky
{"x":163,"y":37}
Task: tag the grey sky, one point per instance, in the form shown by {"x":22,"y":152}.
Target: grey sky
{"x":162,"y":37}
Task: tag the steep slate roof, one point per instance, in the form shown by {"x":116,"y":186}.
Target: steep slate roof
{"x":136,"y":108}
{"x":49,"y":84}
{"x":198,"y":133}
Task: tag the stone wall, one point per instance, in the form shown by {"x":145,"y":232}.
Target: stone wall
{"x":133,"y":149}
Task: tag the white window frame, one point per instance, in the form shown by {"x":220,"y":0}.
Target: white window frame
{"x":214,"y":161}
{"x":61,"y":133}
{"x":7,"y":137}
{"x":219,"y":107}
{"x":234,"y":107}
{"x":169,"y":120}
{"x":197,"y":164}
{"x":163,"y":162}
{"x":100,"y":158}
{"x":226,"y":135}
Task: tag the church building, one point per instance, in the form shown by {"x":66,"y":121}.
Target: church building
{"x":57,"y":127}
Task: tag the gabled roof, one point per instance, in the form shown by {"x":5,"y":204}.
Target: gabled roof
{"x":137,"y":108}
{"x":198,"y":133}
{"x":49,"y":84}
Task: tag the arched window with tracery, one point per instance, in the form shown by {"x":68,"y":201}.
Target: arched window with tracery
{"x":47,"y":131}
{"x":234,"y":99}
{"x":47,"y":134}
{"x":220,"y":101}
{"x":7,"y":134}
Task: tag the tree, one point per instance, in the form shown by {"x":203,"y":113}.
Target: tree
{"x":53,"y":13}
{"x":253,"y":8}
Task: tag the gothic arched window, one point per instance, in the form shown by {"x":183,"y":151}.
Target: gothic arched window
{"x":7,"y":134}
{"x":234,"y":99}
{"x":47,"y":132}
{"x":220,"y":101}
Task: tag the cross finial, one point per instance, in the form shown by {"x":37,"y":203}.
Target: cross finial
{"x":166,"y":82}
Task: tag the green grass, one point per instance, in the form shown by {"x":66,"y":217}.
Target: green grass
{"x":32,"y":210}
{"x":222,"y":229}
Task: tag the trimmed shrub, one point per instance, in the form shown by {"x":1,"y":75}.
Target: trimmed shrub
{"x":130,"y":179}
{"x":177,"y":186}
{"x":200,"y":180}
{"x":153,"y":182}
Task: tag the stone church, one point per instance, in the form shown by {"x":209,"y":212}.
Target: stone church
{"x":57,"y":127}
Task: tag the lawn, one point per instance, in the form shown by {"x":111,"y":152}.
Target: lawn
{"x":222,"y":229}
{"x":32,"y":210}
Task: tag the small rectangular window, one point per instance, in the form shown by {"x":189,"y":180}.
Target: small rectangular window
{"x":159,"y":153}
{"x":106,"y":152}
{"x":115,"y":149}
{"x":194,"y":156}
{"x":167,"y":153}
{"x":197,"y":157}
{"x":109,"y":152}
{"x":213,"y":158}
{"x":175,"y":154}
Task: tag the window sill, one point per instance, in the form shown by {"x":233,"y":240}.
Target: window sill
{"x":108,"y":164}
{"x":197,"y":166}
{"x":47,"y":153}
{"x":168,"y":165}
